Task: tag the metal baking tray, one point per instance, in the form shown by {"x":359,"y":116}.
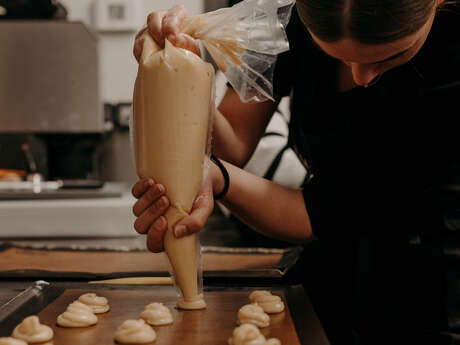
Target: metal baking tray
{"x":297,"y":325}
{"x":48,"y":262}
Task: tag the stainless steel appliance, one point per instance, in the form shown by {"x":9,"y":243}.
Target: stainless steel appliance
{"x":49,"y":78}
{"x":50,"y":104}
{"x":49,"y":97}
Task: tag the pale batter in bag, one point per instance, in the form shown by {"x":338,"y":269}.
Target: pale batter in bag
{"x":172,"y":102}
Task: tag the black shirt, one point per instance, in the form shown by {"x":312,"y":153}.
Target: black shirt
{"x":373,"y":154}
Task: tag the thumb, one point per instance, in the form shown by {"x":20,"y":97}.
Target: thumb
{"x":195,"y":221}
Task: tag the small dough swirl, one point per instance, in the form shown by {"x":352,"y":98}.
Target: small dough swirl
{"x":248,"y":334}
{"x":32,"y":331}
{"x":77,"y":314}
{"x":270,"y":303}
{"x":11,"y":341}
{"x":197,"y":304}
{"x":157,"y":314}
{"x":254,"y":314}
{"x":256,"y":294}
{"x":135,"y":332}
{"x":98,"y":304}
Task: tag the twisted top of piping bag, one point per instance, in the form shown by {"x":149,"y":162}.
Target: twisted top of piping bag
{"x":244,"y":41}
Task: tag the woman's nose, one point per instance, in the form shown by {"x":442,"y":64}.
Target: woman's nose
{"x":364,"y":74}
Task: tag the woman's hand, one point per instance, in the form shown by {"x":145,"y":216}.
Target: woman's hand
{"x":149,"y":209}
{"x":163,"y":25}
{"x":152,"y":204}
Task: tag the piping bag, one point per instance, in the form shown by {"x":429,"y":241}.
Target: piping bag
{"x":173,"y":105}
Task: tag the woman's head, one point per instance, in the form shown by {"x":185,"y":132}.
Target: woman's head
{"x":371,"y":36}
{"x":366,"y":21}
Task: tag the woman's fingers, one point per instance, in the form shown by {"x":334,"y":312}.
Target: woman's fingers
{"x":141,"y":186}
{"x":152,"y":205}
{"x":202,"y":209}
{"x":171,"y":30}
{"x":137,"y":50}
{"x":172,"y":21}
{"x":155,"y":236}
{"x":149,"y":210}
{"x":186,"y":42}
{"x":148,"y":198}
{"x":166,"y":24}
{"x":151,"y":214}
{"x":138,"y":43}
{"x":154,"y":25}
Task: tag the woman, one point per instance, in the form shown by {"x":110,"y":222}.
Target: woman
{"x":370,"y":83}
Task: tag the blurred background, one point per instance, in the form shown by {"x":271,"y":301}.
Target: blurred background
{"x":67,"y":76}
{"x":67,"y":81}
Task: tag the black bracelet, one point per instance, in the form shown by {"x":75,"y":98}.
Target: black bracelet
{"x":225,"y":175}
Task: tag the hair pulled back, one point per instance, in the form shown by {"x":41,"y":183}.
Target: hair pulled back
{"x":366,"y":21}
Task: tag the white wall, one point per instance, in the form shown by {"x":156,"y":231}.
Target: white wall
{"x":117,"y":66}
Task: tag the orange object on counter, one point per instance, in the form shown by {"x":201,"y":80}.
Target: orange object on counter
{"x":12,"y":175}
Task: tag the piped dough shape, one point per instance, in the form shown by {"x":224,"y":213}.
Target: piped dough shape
{"x":253,"y":296}
{"x":32,"y":331}
{"x":253,"y":314}
{"x":271,"y":304}
{"x":77,"y":314}
{"x":135,"y":332}
{"x":156,"y":314}
{"x":198,"y":303}
{"x":98,"y":304}
{"x":249,"y":334}
{"x":11,"y":341}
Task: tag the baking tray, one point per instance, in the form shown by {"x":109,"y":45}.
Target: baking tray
{"x":297,"y":325}
{"x":55,"y":263}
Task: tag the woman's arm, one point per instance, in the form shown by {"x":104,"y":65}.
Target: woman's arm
{"x":239,"y":126}
{"x":271,"y":209}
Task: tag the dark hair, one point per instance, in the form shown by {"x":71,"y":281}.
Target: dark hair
{"x":366,"y":21}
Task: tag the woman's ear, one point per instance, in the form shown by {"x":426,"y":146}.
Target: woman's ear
{"x":440,"y":2}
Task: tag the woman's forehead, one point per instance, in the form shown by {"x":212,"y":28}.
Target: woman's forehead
{"x":348,"y":49}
